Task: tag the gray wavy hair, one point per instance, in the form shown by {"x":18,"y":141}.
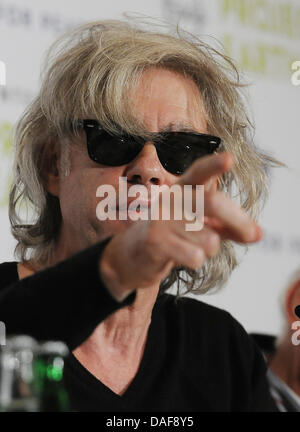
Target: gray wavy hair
{"x":90,"y":72}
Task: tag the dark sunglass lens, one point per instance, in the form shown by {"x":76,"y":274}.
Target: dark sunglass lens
{"x":179,"y":150}
{"x":173,"y":160}
{"x":111,"y":150}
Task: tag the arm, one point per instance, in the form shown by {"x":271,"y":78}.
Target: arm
{"x":64,"y":302}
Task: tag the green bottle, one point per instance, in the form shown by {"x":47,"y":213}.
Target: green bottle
{"x":48,"y":377}
{"x":17,"y":392}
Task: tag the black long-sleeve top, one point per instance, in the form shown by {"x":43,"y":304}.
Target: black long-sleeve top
{"x":197,"y":357}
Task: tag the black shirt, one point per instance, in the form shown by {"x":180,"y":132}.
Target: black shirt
{"x":197,"y":357}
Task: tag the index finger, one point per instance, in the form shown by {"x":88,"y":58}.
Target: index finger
{"x":204,"y":168}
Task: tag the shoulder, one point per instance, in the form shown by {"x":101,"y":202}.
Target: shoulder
{"x":220,"y":354}
{"x":265,"y":342}
{"x":8,"y":273}
{"x":208,"y":327}
{"x":196,"y":312}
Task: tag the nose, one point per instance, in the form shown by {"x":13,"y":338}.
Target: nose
{"x":146,"y":168}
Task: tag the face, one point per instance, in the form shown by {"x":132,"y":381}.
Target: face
{"x":163,"y":101}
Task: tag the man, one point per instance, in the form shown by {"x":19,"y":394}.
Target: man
{"x":282,"y":354}
{"x":121,"y":102}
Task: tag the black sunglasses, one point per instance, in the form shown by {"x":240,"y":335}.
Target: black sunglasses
{"x":175,"y":150}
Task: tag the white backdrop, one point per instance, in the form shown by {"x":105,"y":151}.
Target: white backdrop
{"x":264,"y":39}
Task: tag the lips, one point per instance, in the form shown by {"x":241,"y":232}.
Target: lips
{"x":140,"y":205}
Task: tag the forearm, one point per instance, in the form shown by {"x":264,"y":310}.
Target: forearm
{"x":64,"y":302}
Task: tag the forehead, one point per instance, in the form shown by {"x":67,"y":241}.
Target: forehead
{"x":164,"y":99}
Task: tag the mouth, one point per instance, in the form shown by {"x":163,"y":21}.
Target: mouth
{"x":136,"y":210}
{"x":139,"y":206}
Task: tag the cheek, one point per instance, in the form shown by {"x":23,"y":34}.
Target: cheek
{"x":170,"y":179}
{"x":78,"y":191}
{"x":75,"y":195}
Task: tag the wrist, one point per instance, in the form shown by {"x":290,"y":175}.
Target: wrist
{"x":110,"y":278}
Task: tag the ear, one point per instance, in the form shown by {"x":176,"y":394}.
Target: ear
{"x":51,"y":168}
{"x":291,"y":301}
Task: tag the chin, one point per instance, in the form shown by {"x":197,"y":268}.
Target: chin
{"x":106,"y":229}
